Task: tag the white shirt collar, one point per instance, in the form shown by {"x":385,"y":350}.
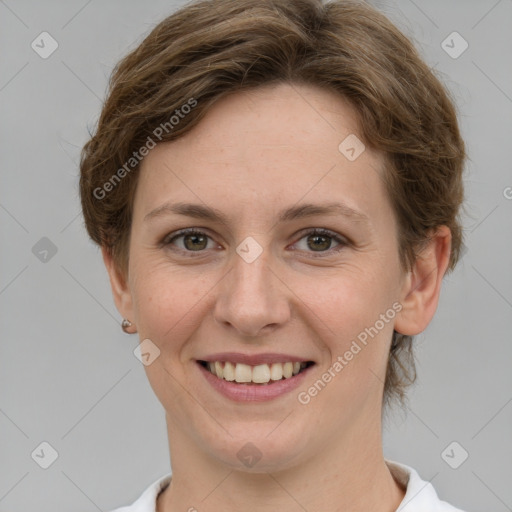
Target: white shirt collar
{"x":420,"y":495}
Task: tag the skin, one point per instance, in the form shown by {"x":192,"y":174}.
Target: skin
{"x":254,"y":154}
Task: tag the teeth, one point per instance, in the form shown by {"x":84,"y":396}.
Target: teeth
{"x":228,"y":371}
{"x":243,"y":373}
{"x":218,"y":369}
{"x":276,"y":371}
{"x":260,"y":374}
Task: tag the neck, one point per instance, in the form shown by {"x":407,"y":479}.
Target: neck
{"x":346,"y":473}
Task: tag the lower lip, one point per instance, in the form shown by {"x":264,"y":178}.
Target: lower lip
{"x":254,"y":392}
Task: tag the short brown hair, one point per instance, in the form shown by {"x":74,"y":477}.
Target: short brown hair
{"x":212,"y":48}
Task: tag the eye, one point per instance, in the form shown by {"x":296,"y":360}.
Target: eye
{"x":318,"y":240}
{"x":321,"y":239}
{"x":193,"y":240}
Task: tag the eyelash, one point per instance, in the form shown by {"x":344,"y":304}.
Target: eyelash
{"x":315,"y":231}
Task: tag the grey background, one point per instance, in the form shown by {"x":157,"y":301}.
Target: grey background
{"x":68,"y":375}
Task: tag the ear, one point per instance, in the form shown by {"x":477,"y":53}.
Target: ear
{"x":120,"y":289}
{"x":422,"y":286}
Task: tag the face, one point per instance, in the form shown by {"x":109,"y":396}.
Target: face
{"x":259,"y":288}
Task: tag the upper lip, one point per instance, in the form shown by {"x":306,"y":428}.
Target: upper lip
{"x":254,"y":359}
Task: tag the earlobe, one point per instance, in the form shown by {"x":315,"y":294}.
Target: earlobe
{"x":422,"y":286}
{"x":120,"y":289}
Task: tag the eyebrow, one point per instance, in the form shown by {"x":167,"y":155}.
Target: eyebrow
{"x":199,"y":211}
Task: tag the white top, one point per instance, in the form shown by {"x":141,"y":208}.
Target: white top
{"x":420,"y":495}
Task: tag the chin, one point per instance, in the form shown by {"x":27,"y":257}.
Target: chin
{"x":260,"y":450}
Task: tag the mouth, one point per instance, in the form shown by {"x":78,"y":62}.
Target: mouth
{"x":255,"y":375}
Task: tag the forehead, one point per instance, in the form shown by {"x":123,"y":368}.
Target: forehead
{"x":275,"y":144}
{"x":274,"y":116}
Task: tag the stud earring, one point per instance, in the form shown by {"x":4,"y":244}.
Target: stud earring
{"x":125,"y":325}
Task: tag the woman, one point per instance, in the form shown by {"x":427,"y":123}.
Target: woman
{"x":275,"y":186}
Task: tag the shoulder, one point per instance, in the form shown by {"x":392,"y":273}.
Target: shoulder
{"x":420,"y":495}
{"x":147,"y":500}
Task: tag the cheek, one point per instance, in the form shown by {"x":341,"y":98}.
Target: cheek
{"x":168,"y":308}
{"x":354,"y":317}
{"x":350,"y":300}
{"x":348,"y":319}
{"x":166,"y":302}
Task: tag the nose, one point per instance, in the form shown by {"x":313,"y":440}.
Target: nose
{"x":253,"y":298}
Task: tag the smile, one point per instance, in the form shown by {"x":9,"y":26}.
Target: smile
{"x":258,"y":374}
